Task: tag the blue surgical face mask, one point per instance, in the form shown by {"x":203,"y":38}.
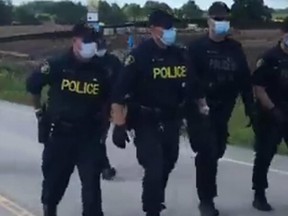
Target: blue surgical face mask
{"x":221,"y":28}
{"x":169,"y":36}
{"x":88,"y":50}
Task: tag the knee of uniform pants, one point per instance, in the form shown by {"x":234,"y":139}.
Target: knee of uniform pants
{"x":89,"y":166}
{"x":58,"y":163}
{"x":262,"y":163}
{"x":92,"y":197}
{"x":206,"y":172}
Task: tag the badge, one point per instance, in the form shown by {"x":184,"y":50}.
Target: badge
{"x":45,"y":68}
{"x":259,"y":63}
{"x":129,"y":60}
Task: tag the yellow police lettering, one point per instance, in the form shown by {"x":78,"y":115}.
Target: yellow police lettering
{"x":72,"y":86}
{"x":80,"y":87}
{"x":169,"y":72}
{"x":65,"y":84}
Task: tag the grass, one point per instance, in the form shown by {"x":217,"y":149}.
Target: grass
{"x":12,"y":88}
{"x":12,"y":84}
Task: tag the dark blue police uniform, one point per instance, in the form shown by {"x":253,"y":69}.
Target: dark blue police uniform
{"x":224,"y":74}
{"x":272,"y":74}
{"x":113,"y":68}
{"x":155,"y":78}
{"x":77,"y":93}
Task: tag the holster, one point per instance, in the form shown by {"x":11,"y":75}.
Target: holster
{"x":44,"y":127}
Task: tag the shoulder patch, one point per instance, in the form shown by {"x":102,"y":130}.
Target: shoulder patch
{"x":129,"y":60}
{"x":45,"y":68}
{"x":259,"y":63}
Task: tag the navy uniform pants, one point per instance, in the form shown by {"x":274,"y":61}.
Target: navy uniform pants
{"x":268,"y":135}
{"x":157,"y":152}
{"x":106,"y":162}
{"x":208,"y":138}
{"x":67,"y":148}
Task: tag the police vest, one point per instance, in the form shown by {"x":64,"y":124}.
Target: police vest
{"x":77,"y":92}
{"x":163,"y":77}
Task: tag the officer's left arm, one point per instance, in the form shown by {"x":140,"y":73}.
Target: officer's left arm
{"x":117,"y":68}
{"x":125,"y":85}
{"x":37,"y":80}
{"x":246,"y":85}
{"x":194,"y":86}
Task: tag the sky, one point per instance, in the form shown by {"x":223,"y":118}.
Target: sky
{"x":204,"y":4}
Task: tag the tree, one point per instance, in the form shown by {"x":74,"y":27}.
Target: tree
{"x":150,"y":6}
{"x":133,"y":11}
{"x":67,"y":12}
{"x":25,"y":16}
{"x":6,"y":11}
{"x":191,"y":10}
{"x":117,"y":16}
{"x":251,"y":10}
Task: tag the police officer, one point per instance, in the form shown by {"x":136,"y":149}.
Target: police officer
{"x":113,"y":67}
{"x":154,"y":75}
{"x":221,"y":66}
{"x":77,"y":94}
{"x":270,"y":80}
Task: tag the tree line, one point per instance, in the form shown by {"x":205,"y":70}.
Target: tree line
{"x":68,"y":12}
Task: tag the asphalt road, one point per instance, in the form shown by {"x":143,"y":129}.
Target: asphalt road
{"x":20,"y":177}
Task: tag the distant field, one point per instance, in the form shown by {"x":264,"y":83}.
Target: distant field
{"x":279,"y":15}
{"x":6,"y":31}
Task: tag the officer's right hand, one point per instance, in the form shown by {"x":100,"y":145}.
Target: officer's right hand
{"x":120,"y":136}
{"x":278,"y":115}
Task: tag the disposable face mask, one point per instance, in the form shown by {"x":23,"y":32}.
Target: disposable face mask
{"x":169,"y":37}
{"x":87,"y":50}
{"x":101,"y":53}
{"x":221,"y":28}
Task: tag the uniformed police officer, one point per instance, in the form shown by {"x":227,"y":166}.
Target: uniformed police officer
{"x":270,"y":80}
{"x":113,"y":67}
{"x":73,"y":121}
{"x":154,"y":75}
{"x":221,"y":66}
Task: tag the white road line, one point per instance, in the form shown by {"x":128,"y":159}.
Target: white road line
{"x":281,"y":172}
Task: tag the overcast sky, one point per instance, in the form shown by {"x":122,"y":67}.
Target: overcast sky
{"x":204,"y":4}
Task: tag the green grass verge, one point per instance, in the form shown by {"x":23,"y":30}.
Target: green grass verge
{"x":12,"y":88}
{"x":12,"y":84}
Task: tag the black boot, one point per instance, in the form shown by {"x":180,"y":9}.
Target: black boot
{"x":49,"y":210}
{"x":163,"y":207}
{"x":260,"y":201}
{"x":153,"y":214}
{"x":207,"y":208}
{"x":109,"y":174}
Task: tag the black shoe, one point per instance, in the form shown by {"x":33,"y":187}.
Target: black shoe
{"x":109,"y":174}
{"x":49,"y":210}
{"x":260,"y":202}
{"x":163,"y":207}
{"x":153,"y":214}
{"x":208,"y":209}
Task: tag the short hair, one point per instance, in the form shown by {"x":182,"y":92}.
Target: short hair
{"x":85,"y":31}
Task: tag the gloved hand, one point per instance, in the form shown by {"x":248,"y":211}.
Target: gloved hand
{"x":278,"y":115}
{"x":252,"y":114}
{"x":120,"y":136}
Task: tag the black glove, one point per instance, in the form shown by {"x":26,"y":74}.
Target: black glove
{"x":252,"y":113}
{"x":120,"y":136}
{"x":278,"y":115}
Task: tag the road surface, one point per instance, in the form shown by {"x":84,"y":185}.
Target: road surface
{"x":20,"y":177}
